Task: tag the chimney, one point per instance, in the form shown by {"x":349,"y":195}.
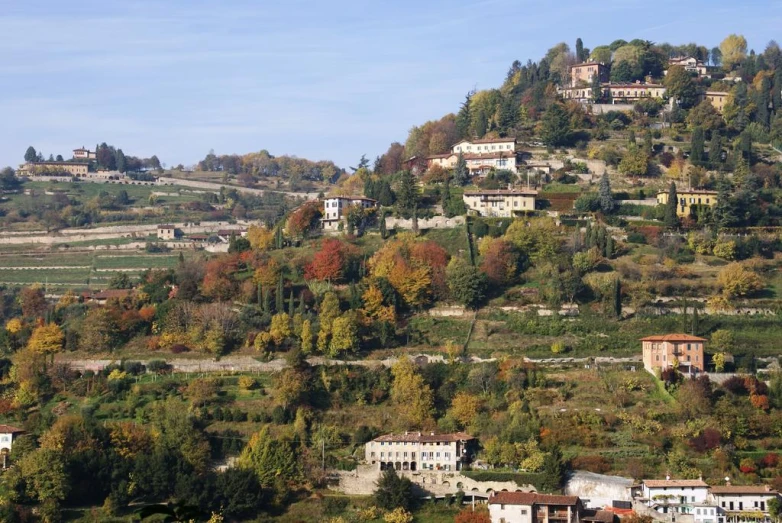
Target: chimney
{"x":667,"y":477}
{"x":431,"y":433}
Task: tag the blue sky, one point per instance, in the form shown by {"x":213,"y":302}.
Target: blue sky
{"x":320,"y":80}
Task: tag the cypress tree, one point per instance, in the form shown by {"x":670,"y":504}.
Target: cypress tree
{"x":609,"y":250}
{"x":383,"y":230}
{"x":291,"y":304}
{"x":631,"y":138}
{"x":671,"y":219}
{"x":648,"y":146}
{"x":715,"y":150}
{"x":696,"y":146}
{"x":695,"y":321}
{"x":267,"y":302}
{"x":279,"y":304}
{"x":260,"y":294}
{"x":301,"y":302}
{"x":617,"y":298}
{"x":461,"y":176}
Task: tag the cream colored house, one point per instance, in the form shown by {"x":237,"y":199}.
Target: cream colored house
{"x":531,"y":507}
{"x":501,"y":203}
{"x":53,"y":169}
{"x":633,"y":92}
{"x":84,"y":154}
{"x":690,"y":64}
{"x":419,"y":451}
{"x":166,"y":232}
{"x":446,"y":161}
{"x":7,"y":436}
{"x":742,"y":503}
{"x":688,"y":199}
{"x":335,"y":207}
{"x":485,"y":146}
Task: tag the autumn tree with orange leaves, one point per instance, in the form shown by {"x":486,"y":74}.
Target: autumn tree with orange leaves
{"x":333,"y":262}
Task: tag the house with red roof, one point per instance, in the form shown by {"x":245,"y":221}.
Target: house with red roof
{"x":8,"y":434}
{"x":666,"y":351}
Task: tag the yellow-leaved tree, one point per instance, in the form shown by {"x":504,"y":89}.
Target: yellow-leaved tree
{"x":410,"y":393}
{"x":738,"y":281}
{"x":46,"y":339}
{"x":260,"y":238}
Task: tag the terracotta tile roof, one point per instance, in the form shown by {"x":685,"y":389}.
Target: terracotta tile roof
{"x":744,"y":489}
{"x":659,"y":483}
{"x":635,"y":86}
{"x":691,"y":191}
{"x":422,"y":437}
{"x":502,"y":192}
{"x":673,"y":337}
{"x":8,"y":429}
{"x":587,"y":63}
{"x":434,"y":156}
{"x":166,"y":226}
{"x":598,"y":516}
{"x":531,"y":498}
{"x":107,"y":294}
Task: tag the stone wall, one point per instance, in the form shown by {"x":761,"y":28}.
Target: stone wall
{"x":436,"y":222}
{"x":363,"y":480}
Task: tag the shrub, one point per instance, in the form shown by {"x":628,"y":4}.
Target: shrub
{"x":596,"y":464}
{"x":158,"y":366}
{"x":178,"y":348}
{"x":636,"y":237}
{"x":247,"y":383}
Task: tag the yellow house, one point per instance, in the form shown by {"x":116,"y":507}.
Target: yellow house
{"x":53,"y":168}
{"x":500,"y":203}
{"x":689,"y":198}
{"x":717,"y":99}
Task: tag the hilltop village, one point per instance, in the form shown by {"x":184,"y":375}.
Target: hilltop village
{"x":557,"y":304}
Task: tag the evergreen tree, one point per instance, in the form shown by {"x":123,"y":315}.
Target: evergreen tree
{"x":695,"y":322}
{"x":606,"y":198}
{"x":597,"y":89}
{"x":355,"y":297}
{"x":383,"y":230}
{"x":408,"y":195}
{"x":461,"y":175}
{"x":671,"y":219}
{"x":393,"y":491}
{"x":481,"y":124}
{"x":723,"y":210}
{"x":30,"y":155}
{"x":301,"y":303}
{"x":715,"y":150}
{"x":696,"y":146}
{"x":648,"y":145}
{"x":267,"y":302}
{"x":279,"y":303}
{"x":555,"y":126}
{"x":291,"y":305}
{"x":463,"y":117}
{"x":631,"y":138}
{"x":385,"y":196}
{"x":609,"y":247}
{"x":121,"y":161}
{"x":579,"y":50}
{"x":776,"y":92}
{"x":617,"y":298}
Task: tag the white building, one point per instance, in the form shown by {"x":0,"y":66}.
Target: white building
{"x":166,"y":232}
{"x":531,"y":507}
{"x":707,"y":513}
{"x":673,"y":494}
{"x":485,"y":146}
{"x":501,"y":203}
{"x":742,"y":503}
{"x":83,"y":154}
{"x":7,"y":436}
{"x":419,"y":451}
{"x":335,"y":209}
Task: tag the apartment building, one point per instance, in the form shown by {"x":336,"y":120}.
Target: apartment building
{"x":671,"y":350}
{"x":633,"y":92}
{"x":500,"y":203}
{"x":420,"y":451}
{"x":718,"y":99}
{"x":743,"y":502}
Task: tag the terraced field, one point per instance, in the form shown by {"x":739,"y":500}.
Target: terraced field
{"x":78,"y":269}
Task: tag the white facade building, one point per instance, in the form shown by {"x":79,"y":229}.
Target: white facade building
{"x":419,"y":451}
{"x":707,"y":513}
{"x":7,"y":436}
{"x":335,"y":207}
{"x":673,"y":492}
{"x":485,"y":146}
{"x":743,"y":502}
